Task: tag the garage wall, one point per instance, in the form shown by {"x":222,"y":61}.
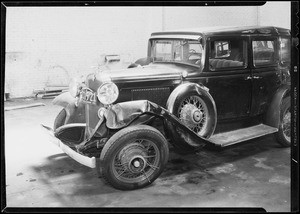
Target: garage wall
{"x":48,"y":45}
{"x":209,"y":16}
{"x":275,"y":13}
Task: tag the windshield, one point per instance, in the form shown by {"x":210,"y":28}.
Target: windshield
{"x":180,"y":51}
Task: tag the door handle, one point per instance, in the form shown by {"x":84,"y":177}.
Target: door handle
{"x":256,"y":77}
{"x":248,"y":78}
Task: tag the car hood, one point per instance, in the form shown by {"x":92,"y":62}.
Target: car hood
{"x":151,"y":72}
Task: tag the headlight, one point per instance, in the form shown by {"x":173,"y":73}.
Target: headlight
{"x":73,"y":87}
{"x":108,"y":93}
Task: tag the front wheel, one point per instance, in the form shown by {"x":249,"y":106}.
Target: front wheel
{"x":134,"y":157}
{"x":283,"y":136}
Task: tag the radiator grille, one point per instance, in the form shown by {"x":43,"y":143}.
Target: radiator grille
{"x":156,"y":95}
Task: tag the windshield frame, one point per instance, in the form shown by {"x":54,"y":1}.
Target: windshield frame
{"x":172,"y":61}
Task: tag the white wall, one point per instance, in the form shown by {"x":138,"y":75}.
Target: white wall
{"x":193,"y":17}
{"x":275,"y":13}
{"x":48,"y":45}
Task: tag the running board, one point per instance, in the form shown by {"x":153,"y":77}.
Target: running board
{"x":241,"y":135}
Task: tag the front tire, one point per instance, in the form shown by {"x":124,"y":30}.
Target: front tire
{"x":134,"y":157}
{"x":283,"y":136}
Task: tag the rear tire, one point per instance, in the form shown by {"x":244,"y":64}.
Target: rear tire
{"x":283,"y":136}
{"x":134,"y":157}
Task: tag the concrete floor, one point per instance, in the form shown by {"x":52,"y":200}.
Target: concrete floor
{"x":38,"y":174}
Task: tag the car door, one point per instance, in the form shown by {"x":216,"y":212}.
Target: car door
{"x":228,"y":76}
{"x":266,"y":75}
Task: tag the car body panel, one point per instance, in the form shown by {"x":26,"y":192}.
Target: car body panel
{"x":75,"y":111}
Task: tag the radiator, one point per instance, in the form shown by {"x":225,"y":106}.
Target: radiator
{"x":156,"y":95}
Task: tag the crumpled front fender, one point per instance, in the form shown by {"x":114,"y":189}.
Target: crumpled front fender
{"x":75,"y":111}
{"x":127,"y":113}
{"x":123,"y":114}
{"x":64,"y":100}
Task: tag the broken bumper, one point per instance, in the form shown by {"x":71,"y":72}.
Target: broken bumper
{"x":84,"y":160}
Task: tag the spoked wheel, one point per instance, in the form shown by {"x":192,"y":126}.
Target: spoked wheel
{"x":286,"y":125}
{"x":198,"y":113}
{"x":283,"y":135}
{"x":193,"y":113}
{"x":134,"y":157}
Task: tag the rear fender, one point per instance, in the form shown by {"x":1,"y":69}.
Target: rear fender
{"x":75,"y":111}
{"x":272,"y":117}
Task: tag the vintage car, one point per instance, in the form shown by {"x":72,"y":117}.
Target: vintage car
{"x":195,"y":89}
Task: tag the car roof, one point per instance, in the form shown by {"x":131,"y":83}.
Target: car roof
{"x":224,"y":30}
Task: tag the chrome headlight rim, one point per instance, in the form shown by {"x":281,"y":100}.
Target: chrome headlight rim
{"x":108,"y":93}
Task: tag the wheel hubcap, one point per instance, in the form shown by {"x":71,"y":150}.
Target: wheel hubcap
{"x":136,"y":161}
{"x":197,"y":115}
{"x":137,"y":164}
{"x":193,"y":113}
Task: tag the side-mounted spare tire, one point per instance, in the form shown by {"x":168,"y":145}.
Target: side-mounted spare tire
{"x":134,"y":157}
{"x":195,"y":107}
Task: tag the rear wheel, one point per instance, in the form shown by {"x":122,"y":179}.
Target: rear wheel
{"x":134,"y":157}
{"x":283,"y":136}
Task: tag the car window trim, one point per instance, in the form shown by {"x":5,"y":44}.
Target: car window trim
{"x":265,"y":38}
{"x":226,"y":38}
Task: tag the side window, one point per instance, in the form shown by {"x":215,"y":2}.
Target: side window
{"x":227,"y":54}
{"x":263,"y":52}
{"x":285,"y":51}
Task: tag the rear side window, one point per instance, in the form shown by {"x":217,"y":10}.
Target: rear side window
{"x":227,"y":54}
{"x":263,"y":52}
{"x":285,"y":51}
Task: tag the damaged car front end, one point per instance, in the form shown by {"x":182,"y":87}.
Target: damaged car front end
{"x":126,"y":142}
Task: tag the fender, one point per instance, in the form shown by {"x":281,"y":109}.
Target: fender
{"x":64,"y":100}
{"x":141,"y":112}
{"x":130,"y":113}
{"x":203,"y":92}
{"x":75,"y":111}
{"x":71,"y":134}
{"x":272,"y":117}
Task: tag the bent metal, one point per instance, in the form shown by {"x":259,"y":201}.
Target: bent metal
{"x":191,"y":85}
